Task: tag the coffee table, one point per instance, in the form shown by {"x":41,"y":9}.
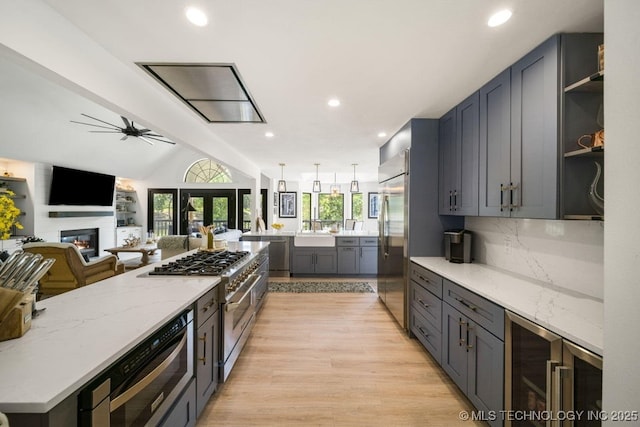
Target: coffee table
{"x":146,"y":250}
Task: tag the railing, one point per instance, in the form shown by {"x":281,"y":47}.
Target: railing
{"x":164,"y":227}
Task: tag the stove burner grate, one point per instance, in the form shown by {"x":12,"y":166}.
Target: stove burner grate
{"x":201,"y":263}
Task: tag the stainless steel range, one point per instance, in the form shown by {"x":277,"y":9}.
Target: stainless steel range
{"x":244,"y":276}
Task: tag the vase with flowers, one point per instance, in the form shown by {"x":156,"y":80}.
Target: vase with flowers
{"x":9,"y":215}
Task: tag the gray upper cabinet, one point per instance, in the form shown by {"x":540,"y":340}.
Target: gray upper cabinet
{"x":519,"y":138}
{"x":447,"y":166}
{"x":459,"y":145}
{"x":495,"y":144}
{"x":535,"y":92}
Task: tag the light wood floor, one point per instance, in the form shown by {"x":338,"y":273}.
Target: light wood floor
{"x":333,"y":360}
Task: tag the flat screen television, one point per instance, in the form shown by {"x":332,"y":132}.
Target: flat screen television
{"x":81,"y":188}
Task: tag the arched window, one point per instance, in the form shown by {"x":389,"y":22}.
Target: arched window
{"x":207,"y":171}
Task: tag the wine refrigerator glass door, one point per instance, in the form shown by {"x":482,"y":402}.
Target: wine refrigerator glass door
{"x":531,"y":355}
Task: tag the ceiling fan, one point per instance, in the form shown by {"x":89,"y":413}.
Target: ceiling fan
{"x":147,"y":135}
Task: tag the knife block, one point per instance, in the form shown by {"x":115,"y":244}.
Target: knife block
{"x":15,"y":313}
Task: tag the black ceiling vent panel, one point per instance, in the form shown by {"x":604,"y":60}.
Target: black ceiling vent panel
{"x":214,"y":91}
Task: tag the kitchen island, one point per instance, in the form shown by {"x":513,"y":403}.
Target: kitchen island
{"x":343,"y":253}
{"x":84,"y":331}
{"x":575,"y":316}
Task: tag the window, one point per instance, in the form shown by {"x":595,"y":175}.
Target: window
{"x":356,"y":206}
{"x":331,"y":209}
{"x":246,"y":207}
{"x":207,"y":171}
{"x":306,"y":211}
{"x":162,"y":214}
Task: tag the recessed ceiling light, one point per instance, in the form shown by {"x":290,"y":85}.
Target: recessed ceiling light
{"x":333,"y":102}
{"x":196,"y":16}
{"x":269,"y":134}
{"x":499,"y":18}
{"x":382,"y":134}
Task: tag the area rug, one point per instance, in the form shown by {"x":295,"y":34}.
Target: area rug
{"x":320,"y":287}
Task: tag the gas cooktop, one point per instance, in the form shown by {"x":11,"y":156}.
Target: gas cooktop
{"x":201,"y":263}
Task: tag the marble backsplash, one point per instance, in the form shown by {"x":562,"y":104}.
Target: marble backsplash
{"x":568,"y":254}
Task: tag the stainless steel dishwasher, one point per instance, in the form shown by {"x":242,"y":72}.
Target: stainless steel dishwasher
{"x":278,"y":255}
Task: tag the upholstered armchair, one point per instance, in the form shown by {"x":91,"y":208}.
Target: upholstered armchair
{"x":176,"y":244}
{"x":70,"y":270}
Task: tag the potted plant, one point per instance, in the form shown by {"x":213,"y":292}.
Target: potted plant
{"x":9,"y":215}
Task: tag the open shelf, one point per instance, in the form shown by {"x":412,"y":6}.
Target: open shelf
{"x":592,"y":83}
{"x":585,"y":152}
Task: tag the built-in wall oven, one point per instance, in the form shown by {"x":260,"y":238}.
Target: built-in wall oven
{"x":549,"y":381}
{"x":142,"y":386}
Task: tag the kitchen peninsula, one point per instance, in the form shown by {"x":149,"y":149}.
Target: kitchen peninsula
{"x":343,"y":253}
{"x":83,"y":332}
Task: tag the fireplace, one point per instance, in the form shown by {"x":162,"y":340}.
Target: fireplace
{"x":86,"y":239}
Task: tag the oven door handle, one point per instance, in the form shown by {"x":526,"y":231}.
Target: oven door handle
{"x":232,"y":306}
{"x":137,"y":387}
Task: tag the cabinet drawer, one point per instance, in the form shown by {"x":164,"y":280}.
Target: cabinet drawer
{"x":347,"y":241}
{"x":368,"y":241}
{"x":484,"y":312}
{"x":427,"y":334}
{"x":427,"y":279}
{"x":207,"y":305}
{"x":427,"y":304}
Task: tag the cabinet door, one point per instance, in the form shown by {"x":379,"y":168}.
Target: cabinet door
{"x":535,"y":91}
{"x":447,"y":164}
{"x":348,"y":260}
{"x":465,"y":196}
{"x":454,"y":345}
{"x":207,"y":361}
{"x":326,"y":261}
{"x":495,"y":145}
{"x":303,"y":261}
{"x":369,"y":260}
{"x":486,"y":370}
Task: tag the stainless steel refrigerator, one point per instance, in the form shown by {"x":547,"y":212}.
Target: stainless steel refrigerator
{"x":408,"y":219}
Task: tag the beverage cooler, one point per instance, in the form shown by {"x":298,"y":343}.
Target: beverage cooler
{"x":549,"y":380}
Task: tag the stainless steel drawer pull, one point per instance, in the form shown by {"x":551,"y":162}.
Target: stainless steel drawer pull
{"x":423,"y":332}
{"x":466,"y":304}
{"x":423,"y":303}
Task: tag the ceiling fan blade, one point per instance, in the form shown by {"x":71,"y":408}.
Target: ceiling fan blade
{"x":105,"y":131}
{"x":161,"y":140}
{"x":102,"y":121}
{"x":115,"y":128}
{"x":146,"y":140}
{"x":127,"y":124}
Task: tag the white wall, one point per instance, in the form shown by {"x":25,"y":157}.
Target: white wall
{"x":622,"y":234}
{"x":49,"y":228}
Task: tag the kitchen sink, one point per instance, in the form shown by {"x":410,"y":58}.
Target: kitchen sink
{"x":314,"y":239}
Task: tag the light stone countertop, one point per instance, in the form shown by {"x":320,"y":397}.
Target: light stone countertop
{"x":84,"y":331}
{"x":342,"y":233}
{"x":574,"y":316}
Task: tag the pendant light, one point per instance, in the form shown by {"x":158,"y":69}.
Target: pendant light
{"x":355,"y":187}
{"x":282,"y":185}
{"x":316,"y":184}
{"x":335,"y":188}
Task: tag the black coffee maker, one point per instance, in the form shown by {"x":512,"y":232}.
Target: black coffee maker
{"x":457,"y":245}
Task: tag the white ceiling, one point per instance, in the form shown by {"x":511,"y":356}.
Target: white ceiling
{"x":387,"y":61}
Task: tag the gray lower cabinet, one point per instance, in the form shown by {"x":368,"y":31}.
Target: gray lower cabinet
{"x":357,"y":255}
{"x":279,"y":250}
{"x":316,"y":260}
{"x":183,"y":413}
{"x":207,"y":347}
{"x":425,"y":311}
{"x":473,"y":347}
